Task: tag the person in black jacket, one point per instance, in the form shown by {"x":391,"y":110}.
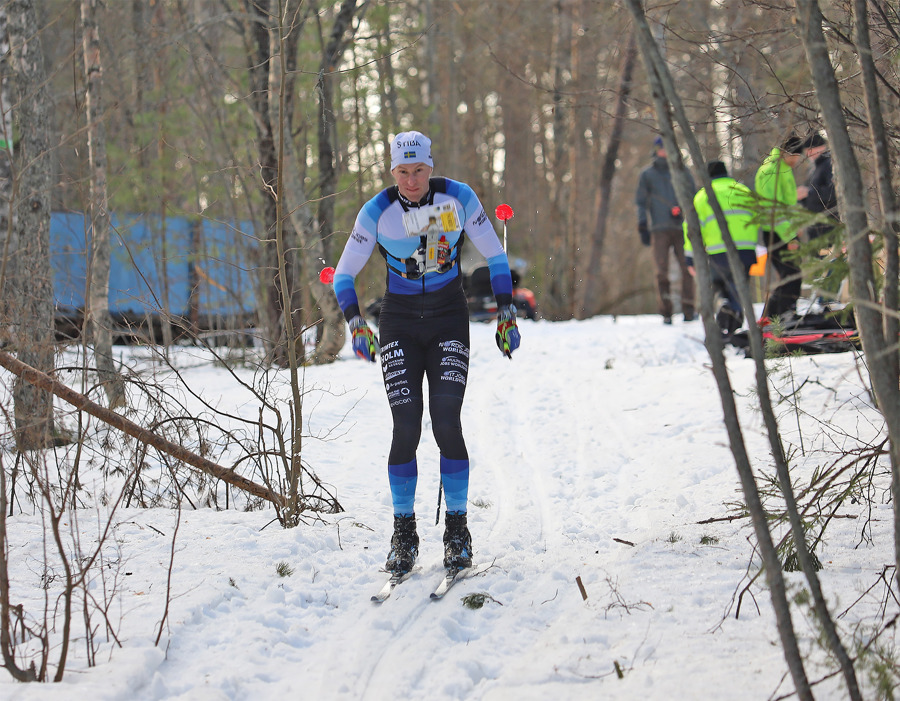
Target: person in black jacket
{"x":659,"y":225}
{"x":819,"y":194}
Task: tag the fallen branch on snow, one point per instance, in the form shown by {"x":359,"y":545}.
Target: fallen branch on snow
{"x":79,"y":401}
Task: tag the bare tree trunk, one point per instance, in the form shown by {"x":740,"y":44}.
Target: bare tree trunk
{"x":97,"y":320}
{"x":879,"y":350}
{"x":46,"y":385}
{"x":7,"y":623}
{"x":434,"y":94}
{"x":889,"y":223}
{"x":588,"y":292}
{"x":557,"y":301}
{"x":160,"y":233}
{"x":6,"y":180}
{"x":748,"y":123}
{"x":666,"y":101}
{"x":31,"y":291}
{"x":581,"y":157}
{"x":314,"y":247}
{"x":518,"y":165}
{"x":279,"y":83}
{"x":256,"y":32}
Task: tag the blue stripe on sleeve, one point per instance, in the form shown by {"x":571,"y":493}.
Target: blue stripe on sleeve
{"x":501,"y":280}
{"x":345,"y":291}
{"x":466,"y":196}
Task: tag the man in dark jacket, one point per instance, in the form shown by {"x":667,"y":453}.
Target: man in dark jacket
{"x":820,"y":195}
{"x":659,"y":224}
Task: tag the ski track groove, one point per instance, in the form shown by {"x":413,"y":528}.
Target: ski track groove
{"x":503,"y":460}
{"x":536,"y":494}
{"x":381,"y":664}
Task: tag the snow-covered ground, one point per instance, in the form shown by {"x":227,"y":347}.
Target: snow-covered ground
{"x":598,"y":453}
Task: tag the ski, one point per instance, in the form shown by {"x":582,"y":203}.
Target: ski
{"x":451,"y":578}
{"x":389,"y":586}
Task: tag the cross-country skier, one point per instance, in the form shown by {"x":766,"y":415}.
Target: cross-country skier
{"x":419,"y":226}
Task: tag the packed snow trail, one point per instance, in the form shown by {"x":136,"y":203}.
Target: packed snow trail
{"x":596,"y":452}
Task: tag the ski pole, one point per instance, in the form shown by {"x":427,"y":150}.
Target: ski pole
{"x":437,"y":516}
{"x":504,"y":212}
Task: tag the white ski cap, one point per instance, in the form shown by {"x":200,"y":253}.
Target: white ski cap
{"x":411,"y":147}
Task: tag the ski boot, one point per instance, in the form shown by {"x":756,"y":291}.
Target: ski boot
{"x":457,"y":541}
{"x":404,"y":545}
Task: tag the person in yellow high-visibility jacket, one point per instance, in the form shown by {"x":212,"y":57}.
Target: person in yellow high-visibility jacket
{"x":736,"y":201}
{"x":778,"y":192}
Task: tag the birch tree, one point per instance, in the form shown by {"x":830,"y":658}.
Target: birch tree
{"x":97,"y":322}
{"x":30,"y":289}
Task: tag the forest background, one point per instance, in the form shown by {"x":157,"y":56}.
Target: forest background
{"x":277,"y":113}
{"x":543,"y":105}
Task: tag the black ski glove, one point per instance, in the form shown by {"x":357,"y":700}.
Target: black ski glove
{"x":644,"y":232}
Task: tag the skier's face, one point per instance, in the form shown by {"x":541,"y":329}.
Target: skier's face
{"x":412,"y":180}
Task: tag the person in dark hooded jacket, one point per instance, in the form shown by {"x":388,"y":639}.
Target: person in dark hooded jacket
{"x":659,"y":225}
{"x":819,"y":194}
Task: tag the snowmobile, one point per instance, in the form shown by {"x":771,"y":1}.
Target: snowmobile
{"x":828,"y":331}
{"x":480,"y":296}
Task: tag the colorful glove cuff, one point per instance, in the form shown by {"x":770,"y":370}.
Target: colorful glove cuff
{"x":365,"y":345}
{"x":507,"y":335}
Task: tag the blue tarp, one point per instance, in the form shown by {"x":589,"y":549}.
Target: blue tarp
{"x":147,"y":250}
{"x":225,"y":275}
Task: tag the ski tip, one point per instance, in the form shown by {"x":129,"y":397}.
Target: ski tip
{"x":390,"y":585}
{"x":382,"y":596}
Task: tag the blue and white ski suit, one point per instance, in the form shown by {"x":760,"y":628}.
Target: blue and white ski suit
{"x":423,"y":328}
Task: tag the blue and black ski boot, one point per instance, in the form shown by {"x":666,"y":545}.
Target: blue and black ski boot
{"x":457,"y":541}
{"x":404,"y":545}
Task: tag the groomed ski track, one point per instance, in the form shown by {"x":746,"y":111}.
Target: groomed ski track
{"x":551,"y":487}
{"x":597,"y":453}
